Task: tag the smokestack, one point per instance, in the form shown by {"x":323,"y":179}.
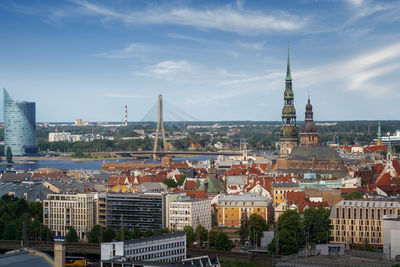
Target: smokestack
{"x":126,"y":115}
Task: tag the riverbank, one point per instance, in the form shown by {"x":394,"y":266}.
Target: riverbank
{"x":17,"y":162}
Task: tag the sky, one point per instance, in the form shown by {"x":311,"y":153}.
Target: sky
{"x":215,"y":60}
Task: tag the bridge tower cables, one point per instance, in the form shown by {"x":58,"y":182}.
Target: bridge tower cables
{"x":160,"y":123}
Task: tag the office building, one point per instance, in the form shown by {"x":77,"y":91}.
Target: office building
{"x":167,"y":248}
{"x":61,"y":212}
{"x":361,"y":221}
{"x":144,"y":211}
{"x":19,"y":126}
{"x":189,"y":212}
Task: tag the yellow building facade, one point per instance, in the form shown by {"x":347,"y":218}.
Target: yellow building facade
{"x":360,"y":221}
{"x":279,"y":191}
{"x":230,"y":208}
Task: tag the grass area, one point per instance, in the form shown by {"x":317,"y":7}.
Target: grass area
{"x":228,"y":262}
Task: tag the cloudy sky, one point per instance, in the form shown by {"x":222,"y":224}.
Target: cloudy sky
{"x":214,"y":60}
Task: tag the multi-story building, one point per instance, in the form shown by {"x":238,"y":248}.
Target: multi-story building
{"x":144,"y":211}
{"x":19,"y":126}
{"x":61,"y":212}
{"x":101,"y":210}
{"x":166,"y":248}
{"x":279,"y":191}
{"x":231,"y":207}
{"x":189,"y":212}
{"x":360,"y":221}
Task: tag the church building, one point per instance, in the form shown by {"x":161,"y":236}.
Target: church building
{"x":289,"y":133}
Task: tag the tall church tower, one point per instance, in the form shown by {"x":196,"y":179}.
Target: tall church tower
{"x":289,"y":133}
{"x":309,"y":132}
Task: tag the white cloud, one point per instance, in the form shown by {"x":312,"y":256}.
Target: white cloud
{"x":224,"y":18}
{"x":165,"y":69}
{"x":253,"y":46}
{"x":363,"y":73}
{"x":134,"y":49}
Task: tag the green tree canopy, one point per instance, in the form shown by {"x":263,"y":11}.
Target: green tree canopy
{"x":95,"y":235}
{"x":201,"y":233}
{"x":9,"y":155}
{"x":170,"y":183}
{"x":108,"y":235}
{"x":72,"y":236}
{"x":257,"y":225}
{"x":190,"y":236}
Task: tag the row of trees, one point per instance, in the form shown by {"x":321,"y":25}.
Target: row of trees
{"x":252,"y":228}
{"x":20,"y":220}
{"x":215,"y":239}
{"x":297,"y":230}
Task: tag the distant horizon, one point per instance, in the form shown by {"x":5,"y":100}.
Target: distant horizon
{"x":218,"y":61}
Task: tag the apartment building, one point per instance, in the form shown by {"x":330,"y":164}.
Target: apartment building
{"x":61,"y":212}
{"x":279,"y":191}
{"x":167,"y":248}
{"x":360,"y":221}
{"x":189,"y":212}
{"x":231,"y":207}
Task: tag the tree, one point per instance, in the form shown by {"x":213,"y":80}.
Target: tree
{"x":353,"y":195}
{"x":108,"y":235}
{"x":257,"y":226}
{"x":72,"y":236}
{"x":127,"y":234}
{"x":95,"y":235}
{"x":316,"y":224}
{"x":148,"y":233}
{"x":182,"y":179}
{"x":201,"y":233}
{"x":170,"y":183}
{"x":9,"y":155}
{"x":222,"y":242}
{"x":10,"y":231}
{"x":244,"y":224}
{"x":137,"y":233}
{"x":190,"y":236}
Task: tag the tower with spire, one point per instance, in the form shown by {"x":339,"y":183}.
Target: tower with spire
{"x":379,"y":140}
{"x":309,"y":132}
{"x":289,"y":133}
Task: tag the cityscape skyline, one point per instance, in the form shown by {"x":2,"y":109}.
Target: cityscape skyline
{"x":221,"y":61}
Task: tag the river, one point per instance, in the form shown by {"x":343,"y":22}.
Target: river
{"x":85,"y":165}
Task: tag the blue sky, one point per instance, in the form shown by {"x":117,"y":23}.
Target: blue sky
{"x":216,"y":60}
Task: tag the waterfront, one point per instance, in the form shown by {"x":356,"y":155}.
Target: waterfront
{"x":84,"y":165}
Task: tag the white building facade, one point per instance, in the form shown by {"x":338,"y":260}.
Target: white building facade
{"x":61,"y":212}
{"x":166,"y":248}
{"x":189,"y":212}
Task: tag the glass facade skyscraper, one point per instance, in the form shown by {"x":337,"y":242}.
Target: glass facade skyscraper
{"x":19,"y":126}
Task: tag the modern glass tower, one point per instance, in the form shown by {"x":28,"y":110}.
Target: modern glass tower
{"x":19,"y":126}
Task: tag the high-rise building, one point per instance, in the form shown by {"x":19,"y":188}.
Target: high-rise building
{"x":19,"y":126}
{"x":289,"y":133}
{"x":309,"y":132}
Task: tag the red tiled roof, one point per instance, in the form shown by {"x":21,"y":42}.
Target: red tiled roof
{"x":190,"y":185}
{"x":374,"y":148}
{"x":396,"y":166}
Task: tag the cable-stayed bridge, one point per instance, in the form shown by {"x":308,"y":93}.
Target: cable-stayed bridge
{"x":163,"y":111}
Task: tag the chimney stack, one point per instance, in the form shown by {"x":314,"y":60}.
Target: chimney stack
{"x":59,"y":254}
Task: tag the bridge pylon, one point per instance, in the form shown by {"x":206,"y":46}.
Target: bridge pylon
{"x":160,"y":125}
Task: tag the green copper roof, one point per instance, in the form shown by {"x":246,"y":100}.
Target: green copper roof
{"x":379,"y":132}
{"x":389,"y":146}
{"x":288,"y":75}
{"x":214,"y":186}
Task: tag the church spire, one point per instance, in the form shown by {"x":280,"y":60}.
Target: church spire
{"x":288,"y":74}
{"x":379,"y":140}
{"x":389,"y":146}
